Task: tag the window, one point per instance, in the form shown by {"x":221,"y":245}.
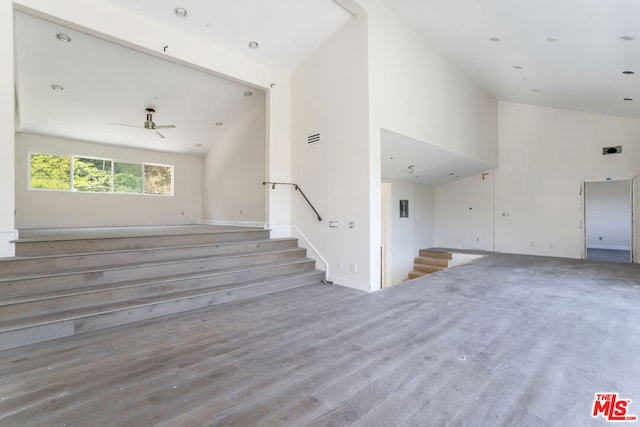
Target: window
{"x":94,"y":175}
{"x":127,"y":178}
{"x":91,"y":175}
{"x":157,"y":180}
{"x":49,"y":172}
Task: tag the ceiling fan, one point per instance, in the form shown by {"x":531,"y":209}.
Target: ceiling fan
{"x":149,"y":123}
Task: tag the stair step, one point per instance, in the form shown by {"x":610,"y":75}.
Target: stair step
{"x":427,"y":268}
{"x":60,"y":300}
{"x":51,"y":264}
{"x":70,"y":281}
{"x":416,"y":274}
{"x":12,"y":287}
{"x":429,"y":253}
{"x":438,"y":262}
{"x":46,"y":327}
{"x":38,"y":246}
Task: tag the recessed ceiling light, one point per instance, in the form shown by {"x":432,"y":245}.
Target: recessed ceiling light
{"x":494,"y":39}
{"x":253,"y":45}
{"x":54,"y":121}
{"x":65,"y":38}
{"x":518,"y":67}
{"x":628,"y":72}
{"x":535,"y":90}
{"x":57,"y":87}
{"x":181,"y":12}
{"x":552,"y":39}
{"x":627,"y":38}
{"x":391,"y":158}
{"x":452,"y":173}
{"x":248,"y":93}
{"x":198,"y":145}
{"x":627,"y":99}
{"x":219,"y":124}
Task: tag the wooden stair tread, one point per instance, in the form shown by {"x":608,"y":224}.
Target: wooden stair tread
{"x":150,"y":281}
{"x":141,"y":302}
{"x":118,"y":267}
{"x":435,"y":254}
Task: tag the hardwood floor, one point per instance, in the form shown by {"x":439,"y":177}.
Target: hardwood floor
{"x":503,"y":340}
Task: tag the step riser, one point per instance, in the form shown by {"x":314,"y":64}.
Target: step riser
{"x":38,"y":248}
{"x":41,"y":333}
{"x":438,"y":262}
{"x":92,"y":299}
{"x":15,"y":288}
{"x":10,"y":267}
{"x":431,"y":254}
{"x":427,"y":268}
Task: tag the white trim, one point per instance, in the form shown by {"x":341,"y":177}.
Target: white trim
{"x":253,"y":224}
{"x":312,"y":252}
{"x":610,"y":247}
{"x":7,"y":247}
{"x":352,"y":284}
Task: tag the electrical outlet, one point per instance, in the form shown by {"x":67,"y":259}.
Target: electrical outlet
{"x":352,"y":224}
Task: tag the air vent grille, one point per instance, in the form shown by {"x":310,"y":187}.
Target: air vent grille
{"x":612,"y":150}
{"x":312,"y":139}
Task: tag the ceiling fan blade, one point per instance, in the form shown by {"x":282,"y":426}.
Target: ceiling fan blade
{"x":159,"y":134}
{"x":122,"y":124}
{"x":164,"y":126}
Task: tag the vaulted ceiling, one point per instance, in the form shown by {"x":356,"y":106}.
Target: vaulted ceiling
{"x":581,"y":55}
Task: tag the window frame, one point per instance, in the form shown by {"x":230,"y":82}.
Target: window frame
{"x":113,"y":161}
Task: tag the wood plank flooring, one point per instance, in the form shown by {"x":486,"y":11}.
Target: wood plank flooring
{"x":504,"y":340}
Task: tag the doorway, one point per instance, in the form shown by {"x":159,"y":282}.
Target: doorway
{"x":609,"y":221}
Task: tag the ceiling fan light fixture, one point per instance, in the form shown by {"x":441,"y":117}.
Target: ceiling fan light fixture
{"x":64,"y":38}
{"x":181,"y":12}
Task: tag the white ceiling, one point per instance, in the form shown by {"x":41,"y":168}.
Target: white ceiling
{"x":432,"y":166}
{"x":581,"y":71}
{"x":287,"y":31}
{"x":104,"y":82}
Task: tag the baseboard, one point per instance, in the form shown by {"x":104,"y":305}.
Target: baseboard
{"x":252,"y":224}
{"x":7,"y":247}
{"x":349,"y":283}
{"x":610,"y":247}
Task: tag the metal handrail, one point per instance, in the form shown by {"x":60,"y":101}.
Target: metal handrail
{"x":296,"y":187}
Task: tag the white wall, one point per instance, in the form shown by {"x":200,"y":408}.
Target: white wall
{"x":410,"y":234}
{"x":37,"y":208}
{"x":7,"y":101}
{"x":233,"y":172}
{"x":417,"y":92}
{"x":330,"y":97}
{"x":608,"y":215}
{"x":545,"y":157}
{"x":105,"y":20}
{"x":464,"y":213}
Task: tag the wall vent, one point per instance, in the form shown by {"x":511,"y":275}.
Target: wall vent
{"x":612,"y":150}
{"x":312,"y":139}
